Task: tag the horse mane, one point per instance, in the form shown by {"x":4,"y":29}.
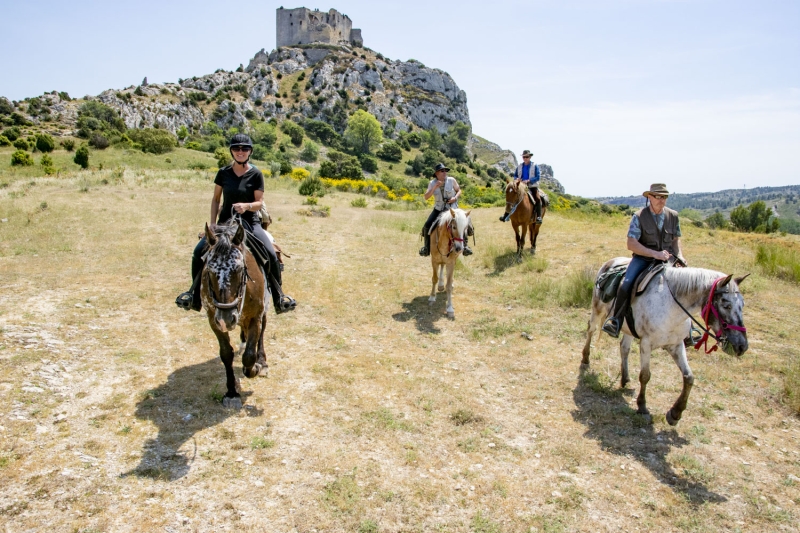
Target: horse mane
{"x":445,"y":218}
{"x":224,"y":234}
{"x":461,"y":219}
{"x":687,"y":282}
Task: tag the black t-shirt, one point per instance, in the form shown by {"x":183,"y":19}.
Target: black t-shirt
{"x":237,"y":190}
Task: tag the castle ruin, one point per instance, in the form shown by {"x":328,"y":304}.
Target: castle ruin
{"x":304,"y":26}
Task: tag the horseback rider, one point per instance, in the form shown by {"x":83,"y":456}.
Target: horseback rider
{"x":445,"y":191}
{"x":241,"y":187}
{"x":528,"y":173}
{"x":654,"y":234}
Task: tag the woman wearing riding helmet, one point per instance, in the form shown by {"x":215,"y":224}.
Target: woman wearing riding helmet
{"x":241,"y":188}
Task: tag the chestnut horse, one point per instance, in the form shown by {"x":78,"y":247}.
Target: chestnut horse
{"x":447,"y":243}
{"x":518,"y":203}
{"x":233,"y":293}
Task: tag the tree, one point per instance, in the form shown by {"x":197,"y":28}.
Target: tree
{"x":82,"y":156}
{"x":45,"y":143}
{"x":717,"y":221}
{"x":294,"y":132}
{"x":264,"y":134}
{"x":390,"y":151}
{"x":183,"y":132}
{"x":321,"y":131}
{"x":456,"y":144}
{"x":756,"y":217}
{"x":310,"y":152}
{"x":154,"y":140}
{"x":363,"y":131}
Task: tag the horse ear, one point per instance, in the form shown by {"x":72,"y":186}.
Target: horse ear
{"x":740,"y":280}
{"x":724,"y":281}
{"x":452,"y":213}
{"x":468,"y":212}
{"x":239,"y":237}
{"x":211,"y":239}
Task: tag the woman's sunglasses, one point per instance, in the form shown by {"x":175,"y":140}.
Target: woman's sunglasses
{"x":240,"y":148}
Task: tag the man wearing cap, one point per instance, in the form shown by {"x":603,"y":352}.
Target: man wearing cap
{"x":654,"y":235}
{"x":445,"y":192}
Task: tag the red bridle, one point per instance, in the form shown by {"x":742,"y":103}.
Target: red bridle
{"x":706,"y":315}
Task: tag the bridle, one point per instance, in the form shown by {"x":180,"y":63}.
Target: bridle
{"x":238,"y":302}
{"x":719,"y":336}
{"x":452,"y":240}
{"x":512,"y":204}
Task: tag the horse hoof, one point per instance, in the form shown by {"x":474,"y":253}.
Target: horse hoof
{"x":451,"y":314}
{"x":440,"y":289}
{"x":432,"y":300}
{"x":671,"y":421}
{"x":253,"y":372}
{"x":263,"y":371}
{"x":232,"y":403}
{"x":643,"y":411}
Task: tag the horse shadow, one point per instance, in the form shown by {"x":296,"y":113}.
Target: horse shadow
{"x":504,"y":261}
{"x":423,"y":314}
{"x":179,"y":411}
{"x":610,"y":420}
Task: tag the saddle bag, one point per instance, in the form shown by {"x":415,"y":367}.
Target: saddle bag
{"x":608,"y":282}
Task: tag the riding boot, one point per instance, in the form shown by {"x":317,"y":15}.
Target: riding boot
{"x":280,"y":301}
{"x":613,"y":324}
{"x":505,"y":217}
{"x":467,"y":249}
{"x":425,"y":251}
{"x":538,"y":209}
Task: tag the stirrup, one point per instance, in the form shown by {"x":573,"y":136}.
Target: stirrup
{"x":424,"y":252}
{"x":287,"y":303}
{"x":538,"y":220}
{"x":612,"y":327}
{"x":505,"y":217}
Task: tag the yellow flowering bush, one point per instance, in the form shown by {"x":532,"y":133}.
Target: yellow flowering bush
{"x":300,"y":174}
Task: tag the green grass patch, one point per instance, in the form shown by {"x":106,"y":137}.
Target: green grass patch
{"x":791,"y":384}
{"x":342,"y":494}
{"x":384,"y":418}
{"x":779,"y":261}
{"x":462,"y":417}
{"x":572,"y":290}
{"x":261,"y":443}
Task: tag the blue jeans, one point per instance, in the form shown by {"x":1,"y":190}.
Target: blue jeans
{"x":635,"y":267}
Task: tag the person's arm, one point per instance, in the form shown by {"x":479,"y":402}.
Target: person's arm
{"x":431,"y":188}
{"x":640,"y":249}
{"x":215,"y":206}
{"x":676,"y":244}
{"x":250,"y":206}
{"x":456,"y":188}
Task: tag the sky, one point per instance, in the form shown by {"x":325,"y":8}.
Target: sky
{"x":702,"y":95}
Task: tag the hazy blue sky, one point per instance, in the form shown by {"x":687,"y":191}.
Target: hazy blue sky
{"x":614,"y":94}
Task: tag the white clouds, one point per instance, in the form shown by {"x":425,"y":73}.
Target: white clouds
{"x":615,"y":149}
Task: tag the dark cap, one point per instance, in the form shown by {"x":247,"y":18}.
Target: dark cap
{"x":526,"y":152}
{"x":438,"y":167}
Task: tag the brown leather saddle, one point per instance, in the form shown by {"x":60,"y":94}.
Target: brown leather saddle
{"x":641,"y":283}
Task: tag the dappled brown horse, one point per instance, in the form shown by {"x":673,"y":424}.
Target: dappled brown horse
{"x":232,"y":291}
{"x":521,"y":208}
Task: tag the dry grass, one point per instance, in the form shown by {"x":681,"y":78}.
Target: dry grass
{"x":379,"y":414}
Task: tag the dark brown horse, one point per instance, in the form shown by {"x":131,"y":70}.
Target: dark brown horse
{"x":232,"y":290}
{"x":518,"y":203}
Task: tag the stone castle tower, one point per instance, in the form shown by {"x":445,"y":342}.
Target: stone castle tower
{"x":304,"y":26}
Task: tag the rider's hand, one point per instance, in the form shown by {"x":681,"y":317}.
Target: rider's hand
{"x":451,"y":201}
{"x":663,"y":255}
{"x":240,"y":208}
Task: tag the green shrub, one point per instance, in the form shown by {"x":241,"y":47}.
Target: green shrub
{"x":47,"y":165}
{"x":295,"y":132}
{"x":369,"y":163}
{"x":756,"y":217}
{"x":21,"y":158}
{"x":311,"y":186}
{"x":359,"y":202}
{"x":390,"y":151}
{"x":264,"y":134}
{"x":99,"y":141}
{"x":12,"y":134}
{"x":45,"y":143}
{"x":286,"y":167}
{"x":322,"y":132}
{"x":182,"y":133}
{"x":154,"y":141}
{"x":68,"y":144}
{"x":22,"y":144}
{"x":93,"y":116}
{"x":222,"y":156}
{"x":341,"y":165}
{"x":310,"y":152}
{"x":6,"y":107}
{"x":82,"y":156}
{"x":4,"y":141}
{"x":193,"y":145}
{"x":717,"y":221}
{"x":261,"y":153}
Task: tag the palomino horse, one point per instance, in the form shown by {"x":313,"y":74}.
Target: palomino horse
{"x":660,"y":322}
{"x":232,"y":290}
{"x":447,"y":243}
{"x":519,"y":205}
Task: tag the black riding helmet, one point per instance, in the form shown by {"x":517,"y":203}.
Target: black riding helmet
{"x":240,"y":139}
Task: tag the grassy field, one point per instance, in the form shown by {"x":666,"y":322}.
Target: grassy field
{"x":380,"y":414}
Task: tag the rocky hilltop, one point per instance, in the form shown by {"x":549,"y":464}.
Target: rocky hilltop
{"x":316,"y":81}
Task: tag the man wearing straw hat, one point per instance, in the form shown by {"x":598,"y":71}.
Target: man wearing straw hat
{"x":654,"y":235}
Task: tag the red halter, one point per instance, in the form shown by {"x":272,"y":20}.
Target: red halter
{"x":706,"y":315}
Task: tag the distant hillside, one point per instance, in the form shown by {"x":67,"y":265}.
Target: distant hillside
{"x":784,"y":202}
{"x":319,"y":82}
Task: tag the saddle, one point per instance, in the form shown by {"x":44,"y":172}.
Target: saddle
{"x":608,"y":283}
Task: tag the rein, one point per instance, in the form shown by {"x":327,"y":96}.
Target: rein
{"x":705,"y":314}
